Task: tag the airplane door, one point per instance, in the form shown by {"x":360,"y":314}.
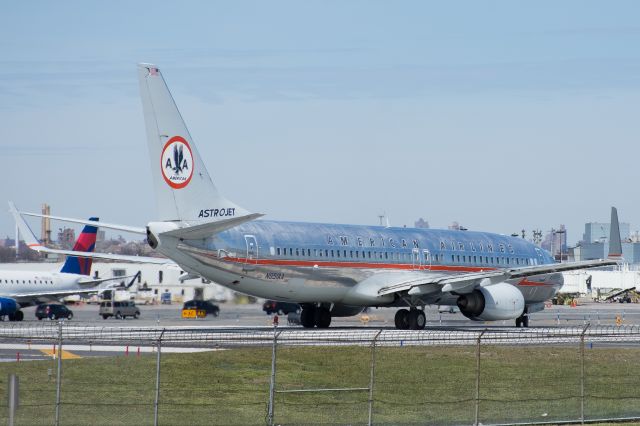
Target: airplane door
{"x":252,"y":249}
{"x":427,"y":258}
{"x":416,"y":259}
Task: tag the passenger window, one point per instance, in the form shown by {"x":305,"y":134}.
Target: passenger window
{"x":337,"y":253}
{"x":297,"y":252}
{"x":290,"y":251}
{"x":309,"y":252}
{"x":278,"y":251}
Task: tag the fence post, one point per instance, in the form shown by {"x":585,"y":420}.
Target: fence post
{"x":373,"y":376}
{"x":59,"y":374}
{"x":584,"y":330}
{"x":476,"y":421}
{"x":14,"y":397}
{"x":272,"y":382}
{"x":157,"y":400}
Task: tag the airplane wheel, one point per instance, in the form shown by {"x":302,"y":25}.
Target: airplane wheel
{"x":323,"y":318}
{"x":522,"y":321}
{"x":402,"y":319}
{"x":417,"y":319}
{"x":17,"y":316}
{"x":307,"y":317}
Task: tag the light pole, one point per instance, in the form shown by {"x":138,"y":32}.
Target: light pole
{"x":561,"y":231}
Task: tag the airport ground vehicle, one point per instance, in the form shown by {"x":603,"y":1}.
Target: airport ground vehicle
{"x":205,"y":305}
{"x":53,"y":311}
{"x":120,"y":309}
{"x":281,"y":308}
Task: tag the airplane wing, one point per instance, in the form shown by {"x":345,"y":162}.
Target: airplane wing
{"x":33,"y":243}
{"x":415,"y":284}
{"x":29,"y":297}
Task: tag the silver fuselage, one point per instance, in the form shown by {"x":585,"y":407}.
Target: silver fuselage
{"x":311,"y":262}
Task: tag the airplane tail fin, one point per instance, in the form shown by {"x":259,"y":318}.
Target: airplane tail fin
{"x":86,"y":242}
{"x":615,"y":243}
{"x":184,"y":190}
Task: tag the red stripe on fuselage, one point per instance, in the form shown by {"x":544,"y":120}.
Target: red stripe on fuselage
{"x":363,"y":265}
{"x":526,"y":283}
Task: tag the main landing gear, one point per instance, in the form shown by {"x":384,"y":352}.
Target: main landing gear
{"x":522,"y":321}
{"x":410,"y":319}
{"x":16,"y":316}
{"x":315,"y":316}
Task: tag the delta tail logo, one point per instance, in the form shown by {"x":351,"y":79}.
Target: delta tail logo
{"x":176,"y":162}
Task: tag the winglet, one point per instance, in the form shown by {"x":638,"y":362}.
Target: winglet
{"x":28,"y":235}
{"x":615,"y":243}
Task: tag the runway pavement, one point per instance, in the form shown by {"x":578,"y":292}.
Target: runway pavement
{"x":232,"y":315}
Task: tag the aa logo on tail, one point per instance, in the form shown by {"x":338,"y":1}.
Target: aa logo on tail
{"x":176,"y":162}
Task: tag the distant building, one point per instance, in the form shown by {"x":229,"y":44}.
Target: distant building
{"x":600,"y":250}
{"x":595,"y":243}
{"x":66,"y":237}
{"x":421,"y":223}
{"x":7,"y":242}
{"x":455,"y":226}
{"x":555,"y":241}
{"x":597,"y":232}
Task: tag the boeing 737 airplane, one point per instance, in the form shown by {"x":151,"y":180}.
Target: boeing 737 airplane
{"x":332,"y":270}
{"x":19,"y":288}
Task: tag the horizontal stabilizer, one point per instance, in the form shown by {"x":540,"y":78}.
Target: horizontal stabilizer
{"x":93,"y":255}
{"x":133,"y":229}
{"x":206,"y":230}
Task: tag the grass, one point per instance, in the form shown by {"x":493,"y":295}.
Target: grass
{"x":413,"y":385}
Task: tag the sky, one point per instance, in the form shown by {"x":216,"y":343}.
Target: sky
{"x":501,"y":115}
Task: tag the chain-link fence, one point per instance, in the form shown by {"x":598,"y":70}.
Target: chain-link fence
{"x":143,"y":376}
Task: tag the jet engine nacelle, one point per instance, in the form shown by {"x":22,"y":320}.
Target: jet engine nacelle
{"x":495,"y":302}
{"x":8,"y":306}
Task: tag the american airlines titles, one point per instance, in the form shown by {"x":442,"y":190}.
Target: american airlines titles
{"x":451,"y":245}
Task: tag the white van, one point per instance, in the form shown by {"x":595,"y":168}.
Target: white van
{"x":119,"y":309}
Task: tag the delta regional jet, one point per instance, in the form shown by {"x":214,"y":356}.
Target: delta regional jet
{"x":332,"y":270}
{"x":22,"y":288}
